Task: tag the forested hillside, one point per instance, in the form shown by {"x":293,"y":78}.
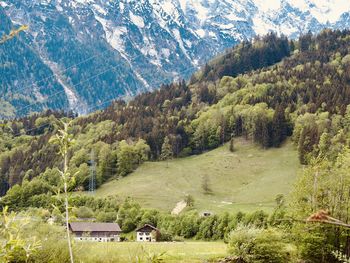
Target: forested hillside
{"x":264,"y":90}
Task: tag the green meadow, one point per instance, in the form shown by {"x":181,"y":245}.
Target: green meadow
{"x":189,"y":252}
{"x":246,"y":180}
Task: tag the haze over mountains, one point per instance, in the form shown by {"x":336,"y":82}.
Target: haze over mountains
{"x":81,"y":54}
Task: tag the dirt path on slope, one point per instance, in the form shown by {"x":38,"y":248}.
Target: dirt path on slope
{"x":179,"y":207}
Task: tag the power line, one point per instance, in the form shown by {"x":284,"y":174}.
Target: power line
{"x":98,"y":105}
{"x":77,"y":64}
{"x":63,"y":91}
{"x":75,"y":85}
{"x":66,"y":69}
{"x":74,"y":65}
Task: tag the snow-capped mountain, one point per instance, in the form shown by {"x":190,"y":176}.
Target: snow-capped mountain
{"x":81,"y":54}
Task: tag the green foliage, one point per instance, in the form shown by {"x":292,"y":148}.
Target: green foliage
{"x":323,"y":186}
{"x":64,"y":140}
{"x":107,"y":216}
{"x":167,"y":151}
{"x":165,"y":236}
{"x":129,"y":215}
{"x":189,"y":200}
{"x":14,"y":246}
{"x":84,"y":212}
{"x":231,"y":176}
{"x":131,"y":155}
{"x":315,"y":244}
{"x":306,"y":96}
{"x":53,"y":250}
{"x":252,"y":244}
{"x":341,"y":257}
{"x":206,"y":185}
{"x":247,"y":56}
{"x":264,"y":106}
{"x":232,"y":146}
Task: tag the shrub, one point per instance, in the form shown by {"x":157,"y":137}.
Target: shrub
{"x":165,"y":236}
{"x":84,"y":212}
{"x":316,"y":245}
{"x":189,"y":200}
{"x":252,"y":244}
{"x":185,"y":152}
{"x":107,"y":217}
{"x":53,"y":250}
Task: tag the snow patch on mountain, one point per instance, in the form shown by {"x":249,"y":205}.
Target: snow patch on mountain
{"x":271,"y":5}
{"x":113,"y":34}
{"x":180,"y":42}
{"x":100,"y":9}
{"x":137,"y":20}
{"x":200,"y":32}
{"x":74,"y":102}
{"x":323,"y":10}
{"x":3,"y":4}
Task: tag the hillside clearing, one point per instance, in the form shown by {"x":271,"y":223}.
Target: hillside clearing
{"x":179,"y":207}
{"x":246,"y":180}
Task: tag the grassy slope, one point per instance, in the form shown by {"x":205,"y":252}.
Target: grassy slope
{"x":189,"y":252}
{"x":246,"y":180}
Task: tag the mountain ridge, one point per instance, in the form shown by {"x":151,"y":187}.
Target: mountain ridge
{"x":123,"y":48}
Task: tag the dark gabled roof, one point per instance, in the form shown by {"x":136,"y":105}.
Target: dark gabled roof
{"x":146,"y":226}
{"x":94,"y":227}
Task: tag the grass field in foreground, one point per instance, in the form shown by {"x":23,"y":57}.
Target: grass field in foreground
{"x":246,"y":180}
{"x":188,"y":252}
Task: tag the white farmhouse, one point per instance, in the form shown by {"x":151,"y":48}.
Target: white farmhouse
{"x":147,"y":233}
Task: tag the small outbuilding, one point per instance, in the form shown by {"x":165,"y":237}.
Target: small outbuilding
{"x":98,"y":232}
{"x":206,"y":213}
{"x":147,"y":233}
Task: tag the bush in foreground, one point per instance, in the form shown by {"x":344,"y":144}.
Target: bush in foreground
{"x":252,"y":244}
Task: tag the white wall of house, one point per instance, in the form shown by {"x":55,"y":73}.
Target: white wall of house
{"x":144,"y":237}
{"x":115,"y":238}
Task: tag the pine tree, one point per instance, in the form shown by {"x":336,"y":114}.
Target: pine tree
{"x":324,"y":145}
{"x":206,"y":185}
{"x":189,"y":200}
{"x":308,"y":138}
{"x":232,"y":148}
{"x":167,"y":152}
{"x":347,"y":119}
{"x":279,"y":127}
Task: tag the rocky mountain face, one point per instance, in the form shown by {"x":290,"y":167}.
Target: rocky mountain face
{"x":81,"y":54}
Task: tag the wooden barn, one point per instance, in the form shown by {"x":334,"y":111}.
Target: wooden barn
{"x":147,"y":233}
{"x":99,"y":232}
